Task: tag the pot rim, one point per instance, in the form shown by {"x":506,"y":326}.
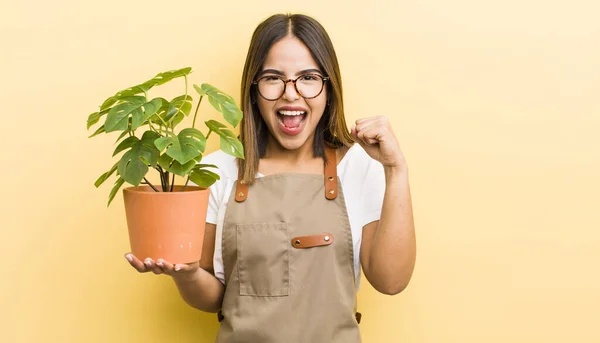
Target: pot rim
{"x":145,"y":189}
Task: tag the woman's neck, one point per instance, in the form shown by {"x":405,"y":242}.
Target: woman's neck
{"x":277,"y":159}
{"x":305,"y":153}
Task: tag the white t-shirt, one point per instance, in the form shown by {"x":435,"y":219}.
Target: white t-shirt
{"x":361,"y":177}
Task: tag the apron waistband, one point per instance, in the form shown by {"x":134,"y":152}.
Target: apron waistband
{"x":357,"y":315}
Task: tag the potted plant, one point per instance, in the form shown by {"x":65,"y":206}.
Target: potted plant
{"x":167,"y":220}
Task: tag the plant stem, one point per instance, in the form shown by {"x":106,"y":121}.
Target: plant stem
{"x":165,"y":124}
{"x":152,"y":127}
{"x":208,"y":135}
{"x":149,"y":184}
{"x":162,"y":176}
{"x":186,"y":183}
{"x":166,"y":181}
{"x":183,"y":102}
{"x":172,"y":182}
{"x":196,"y":112}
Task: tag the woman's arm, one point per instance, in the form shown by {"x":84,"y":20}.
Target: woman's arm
{"x":201,"y":289}
{"x":388,"y":249}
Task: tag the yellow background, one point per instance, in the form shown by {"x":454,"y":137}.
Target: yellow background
{"x":495,"y":103}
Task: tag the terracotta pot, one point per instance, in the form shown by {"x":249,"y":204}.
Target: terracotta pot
{"x":167,"y":225}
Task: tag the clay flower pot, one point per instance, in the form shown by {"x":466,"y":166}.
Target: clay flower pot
{"x":167,"y":225}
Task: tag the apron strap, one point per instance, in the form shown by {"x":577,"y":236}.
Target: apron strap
{"x":241,"y":192}
{"x":331,"y":179}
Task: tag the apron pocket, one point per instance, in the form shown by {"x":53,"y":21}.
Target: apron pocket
{"x":263,"y":259}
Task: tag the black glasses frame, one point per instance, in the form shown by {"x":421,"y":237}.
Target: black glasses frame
{"x":285,"y":82}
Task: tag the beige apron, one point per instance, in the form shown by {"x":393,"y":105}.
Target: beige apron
{"x":288,"y":260}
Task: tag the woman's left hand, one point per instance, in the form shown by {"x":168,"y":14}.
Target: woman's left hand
{"x":375,"y":135}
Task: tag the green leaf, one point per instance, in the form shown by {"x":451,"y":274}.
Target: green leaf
{"x":199,"y":90}
{"x":134,"y":107}
{"x":181,"y":72}
{"x":162,"y":112}
{"x":109,"y":102}
{"x":99,"y":131}
{"x":185,"y":146}
{"x":139,"y":89}
{"x":131,"y":91}
{"x":179,"y":108}
{"x":123,"y":134}
{"x":133,"y":165}
{"x":232,"y":145}
{"x":150,"y":108}
{"x":203,"y":178}
{"x":182,"y":98}
{"x":194,"y":133}
{"x":229,"y":142}
{"x":165,"y":161}
{"x":118,"y":116}
{"x":144,"y":87}
{"x":126,"y":144}
{"x":148,"y":139}
{"x":214,"y":125}
{"x":105,"y":176}
{"x":172,"y":166}
{"x":115,"y":189}
{"x":222,"y":103}
{"x":206,"y":166}
{"x":164,"y":77}
{"x":95,"y":117}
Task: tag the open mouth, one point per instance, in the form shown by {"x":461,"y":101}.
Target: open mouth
{"x":291,"y":119}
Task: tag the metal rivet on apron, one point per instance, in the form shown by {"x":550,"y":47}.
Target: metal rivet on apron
{"x":326,"y":238}
{"x":241,"y":194}
{"x":331,"y":178}
{"x":331,"y":191}
{"x":297,"y":242}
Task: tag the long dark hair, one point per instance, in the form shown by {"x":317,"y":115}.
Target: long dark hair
{"x":331,"y":129}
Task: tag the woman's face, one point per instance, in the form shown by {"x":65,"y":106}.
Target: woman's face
{"x":291,"y":119}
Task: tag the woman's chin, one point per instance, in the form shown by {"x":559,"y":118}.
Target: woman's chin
{"x":289,"y":144}
{"x":292,"y":143}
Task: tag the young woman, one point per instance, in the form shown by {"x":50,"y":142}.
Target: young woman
{"x":289,"y":227}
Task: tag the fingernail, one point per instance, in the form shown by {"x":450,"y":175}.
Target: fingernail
{"x":129,"y":258}
{"x":177,"y":267}
{"x":160,"y":262}
{"x":148,"y":262}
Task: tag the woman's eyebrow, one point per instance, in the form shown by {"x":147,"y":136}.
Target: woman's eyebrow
{"x":309,"y":71}
{"x":279,"y":72}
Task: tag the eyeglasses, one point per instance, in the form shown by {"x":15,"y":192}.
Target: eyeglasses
{"x":308,"y":86}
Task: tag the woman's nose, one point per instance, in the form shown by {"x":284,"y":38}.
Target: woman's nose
{"x":290,"y":93}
